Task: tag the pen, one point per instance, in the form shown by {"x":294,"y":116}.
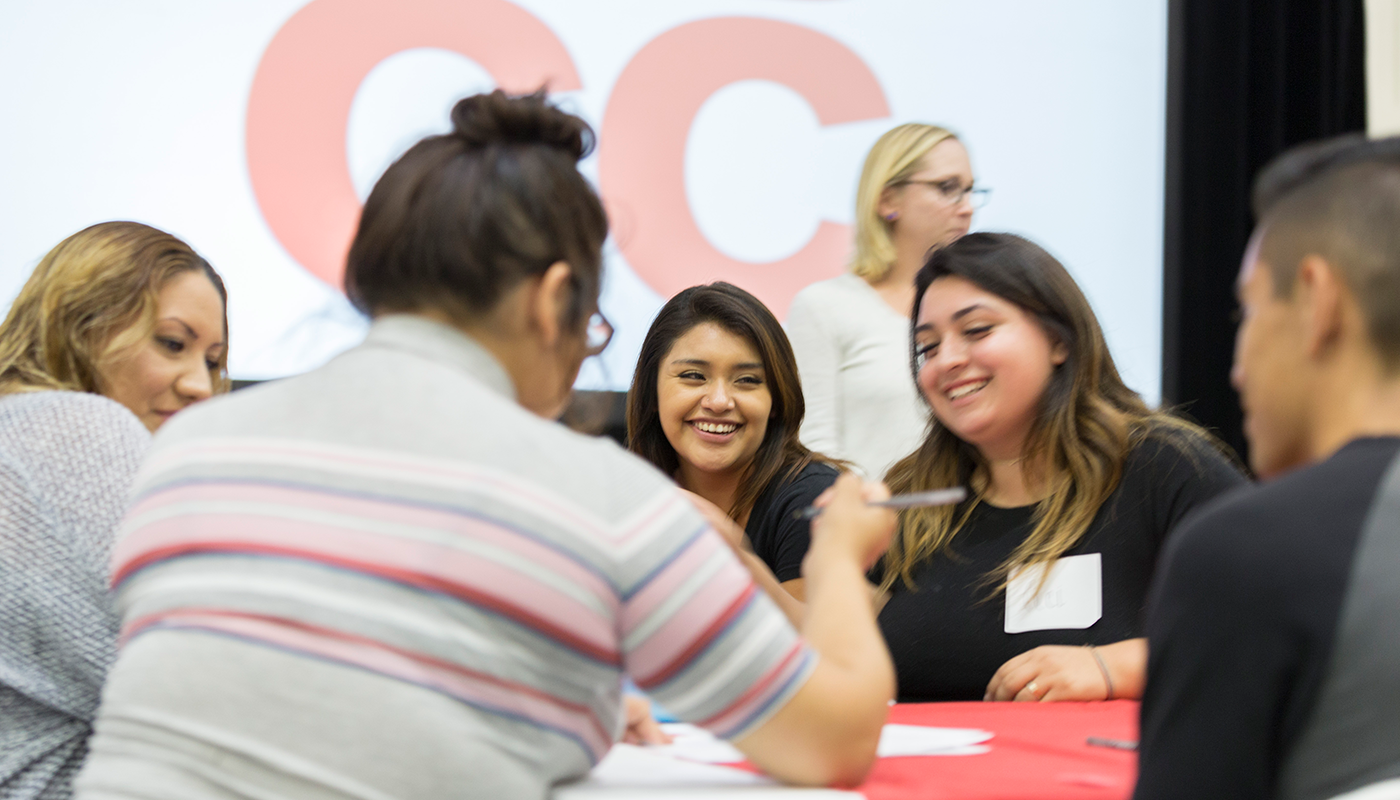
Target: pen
{"x":937,"y":497}
{"x":1116,"y":744}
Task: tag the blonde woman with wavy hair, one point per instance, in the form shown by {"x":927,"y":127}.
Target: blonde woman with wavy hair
{"x":1034,"y":588}
{"x":119,"y":327}
{"x":916,"y":193}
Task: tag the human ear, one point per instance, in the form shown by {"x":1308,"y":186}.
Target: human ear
{"x":549,"y":300}
{"x":888,"y":208}
{"x":1318,"y":289}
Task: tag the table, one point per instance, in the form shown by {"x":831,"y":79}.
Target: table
{"x":1038,"y":752}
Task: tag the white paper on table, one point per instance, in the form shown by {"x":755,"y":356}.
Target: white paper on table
{"x":700,"y":746}
{"x":1071,"y":598}
{"x":921,"y":740}
{"x":696,"y":744}
{"x":635,"y":773}
{"x":631,"y":765}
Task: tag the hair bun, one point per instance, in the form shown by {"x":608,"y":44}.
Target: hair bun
{"x":484,"y":120}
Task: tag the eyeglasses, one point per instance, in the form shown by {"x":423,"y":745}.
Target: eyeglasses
{"x":597,"y":335}
{"x":953,"y":194}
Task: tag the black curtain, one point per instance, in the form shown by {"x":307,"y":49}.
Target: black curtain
{"x":1247,"y":79}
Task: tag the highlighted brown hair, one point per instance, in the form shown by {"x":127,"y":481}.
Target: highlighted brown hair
{"x":1087,"y":423}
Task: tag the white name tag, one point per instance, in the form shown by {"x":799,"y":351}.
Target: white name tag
{"x":1072,"y":597}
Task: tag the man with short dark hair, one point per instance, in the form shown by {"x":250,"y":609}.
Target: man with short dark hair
{"x":1274,"y":627}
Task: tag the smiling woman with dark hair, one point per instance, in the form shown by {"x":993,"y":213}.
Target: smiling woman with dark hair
{"x":1075,"y":484}
{"x":716,"y":403}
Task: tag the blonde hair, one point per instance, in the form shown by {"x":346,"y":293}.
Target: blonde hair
{"x":893,"y":159}
{"x":91,"y":301}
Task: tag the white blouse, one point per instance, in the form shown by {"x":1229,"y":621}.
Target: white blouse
{"x":853,"y":355}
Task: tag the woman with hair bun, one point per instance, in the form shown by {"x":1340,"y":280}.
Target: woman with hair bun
{"x":119,"y":327}
{"x":850,"y":333}
{"x":1035,"y":588}
{"x":399,"y":576}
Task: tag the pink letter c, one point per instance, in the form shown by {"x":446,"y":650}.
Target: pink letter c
{"x":299,"y":106}
{"x":641,"y":160}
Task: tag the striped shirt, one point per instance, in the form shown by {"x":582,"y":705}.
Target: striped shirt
{"x":387,"y":579}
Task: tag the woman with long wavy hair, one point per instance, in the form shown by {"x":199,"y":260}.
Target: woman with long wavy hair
{"x":1034,"y":588}
{"x":119,"y":327}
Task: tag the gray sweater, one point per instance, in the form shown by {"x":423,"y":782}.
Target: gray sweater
{"x":67,"y":461}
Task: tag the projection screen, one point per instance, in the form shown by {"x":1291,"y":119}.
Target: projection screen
{"x":731,"y":138}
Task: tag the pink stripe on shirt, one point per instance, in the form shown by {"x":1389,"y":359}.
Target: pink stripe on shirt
{"x":476,"y":527}
{"x":482,"y":689}
{"x":524,"y":597}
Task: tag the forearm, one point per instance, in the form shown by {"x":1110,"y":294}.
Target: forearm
{"x":830,"y":729}
{"x":828,"y":733}
{"x":840,"y":618}
{"x":791,"y":607}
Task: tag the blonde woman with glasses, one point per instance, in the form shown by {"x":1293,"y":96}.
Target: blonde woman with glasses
{"x":850,"y":333}
{"x":119,"y":327}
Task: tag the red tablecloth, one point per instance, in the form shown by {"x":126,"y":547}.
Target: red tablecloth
{"x":1038,"y":752}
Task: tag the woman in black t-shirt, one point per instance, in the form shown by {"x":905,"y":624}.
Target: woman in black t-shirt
{"x":716,"y":404}
{"x":1034,"y":588}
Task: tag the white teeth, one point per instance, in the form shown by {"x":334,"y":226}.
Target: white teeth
{"x":717,"y":427}
{"x":966,"y":389}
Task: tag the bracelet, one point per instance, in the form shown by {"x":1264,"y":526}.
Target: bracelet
{"x":1098,"y":659}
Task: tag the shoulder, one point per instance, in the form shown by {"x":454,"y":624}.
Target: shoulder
{"x":81,"y":409}
{"x":59,"y":422}
{"x":1290,"y":530}
{"x":831,"y":295}
{"x":810,"y":481}
{"x":461,"y":425}
{"x":71,"y":452}
{"x":228,"y":413}
{"x":844,"y":311}
{"x":789,"y":493}
{"x":1163,"y":445}
{"x":1170,"y":457}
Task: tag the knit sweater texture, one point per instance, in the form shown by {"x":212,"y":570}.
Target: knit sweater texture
{"x":67,"y":461}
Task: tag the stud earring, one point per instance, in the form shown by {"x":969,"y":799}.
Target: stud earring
{"x":892,"y":216}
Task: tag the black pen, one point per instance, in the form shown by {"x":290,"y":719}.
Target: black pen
{"x":1116,"y":744}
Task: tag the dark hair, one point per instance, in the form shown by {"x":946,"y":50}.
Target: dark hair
{"x":1339,"y":199}
{"x":1087,"y":422}
{"x":462,"y":218}
{"x":740,"y":313}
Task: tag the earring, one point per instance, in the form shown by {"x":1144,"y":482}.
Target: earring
{"x":892,"y":216}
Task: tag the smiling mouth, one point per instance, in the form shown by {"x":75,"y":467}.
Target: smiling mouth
{"x":717,"y":428}
{"x":966,"y":389}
